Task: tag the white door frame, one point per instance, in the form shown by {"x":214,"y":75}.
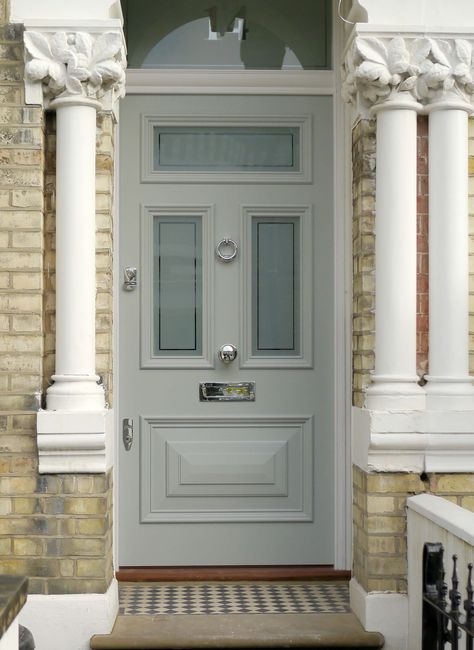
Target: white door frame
{"x":188,"y":82}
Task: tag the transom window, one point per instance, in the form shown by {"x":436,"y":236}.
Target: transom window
{"x":228,"y":34}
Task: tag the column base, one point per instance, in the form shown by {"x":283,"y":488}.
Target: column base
{"x":394,"y":392}
{"x":449,"y":393}
{"x":71,"y":442}
{"x":75,"y":393}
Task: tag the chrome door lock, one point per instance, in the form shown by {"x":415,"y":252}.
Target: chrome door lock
{"x":127,"y":433}
{"x":227,"y":353}
{"x":129,"y":278}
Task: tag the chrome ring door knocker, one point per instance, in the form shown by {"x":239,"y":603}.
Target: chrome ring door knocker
{"x":228,"y":245}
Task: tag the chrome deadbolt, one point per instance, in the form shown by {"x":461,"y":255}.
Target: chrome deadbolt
{"x":227,"y":353}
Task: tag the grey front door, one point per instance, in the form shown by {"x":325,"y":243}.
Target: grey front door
{"x":226,"y":212}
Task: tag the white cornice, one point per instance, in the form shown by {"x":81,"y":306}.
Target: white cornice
{"x":409,"y":12}
{"x":65,"y":10}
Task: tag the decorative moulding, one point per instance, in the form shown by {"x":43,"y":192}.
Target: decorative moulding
{"x":75,"y":441}
{"x":230,"y":82}
{"x":405,"y":13}
{"x":147,"y":255}
{"x":22,"y":11}
{"x":74,"y":64}
{"x":420,"y":69}
{"x":413,"y":441}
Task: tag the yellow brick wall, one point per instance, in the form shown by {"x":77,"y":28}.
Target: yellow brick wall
{"x":379,"y":516}
{"x":57,"y":530}
{"x":363,"y":256}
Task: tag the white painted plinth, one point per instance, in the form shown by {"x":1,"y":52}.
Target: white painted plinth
{"x":386,"y":613}
{"x":67,"y":622}
{"x":75,"y":441}
{"x":9,"y":640}
{"x":413,"y":441}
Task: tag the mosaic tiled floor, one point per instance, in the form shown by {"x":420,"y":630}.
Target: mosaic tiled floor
{"x":149,"y":599}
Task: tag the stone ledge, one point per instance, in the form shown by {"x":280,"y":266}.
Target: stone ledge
{"x":13,"y":591}
{"x":237,"y":631}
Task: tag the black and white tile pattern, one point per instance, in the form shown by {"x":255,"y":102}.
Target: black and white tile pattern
{"x":149,"y":599}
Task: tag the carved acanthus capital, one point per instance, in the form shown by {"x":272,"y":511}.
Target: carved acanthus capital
{"x":424,"y":69}
{"x":76,"y":64}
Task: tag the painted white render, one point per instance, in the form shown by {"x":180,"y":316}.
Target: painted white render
{"x":56,"y":10}
{"x":9,"y":640}
{"x":68,"y":621}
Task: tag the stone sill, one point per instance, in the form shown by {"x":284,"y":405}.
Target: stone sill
{"x":13,"y":591}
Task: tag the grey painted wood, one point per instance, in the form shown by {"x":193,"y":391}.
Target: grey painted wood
{"x":209,"y":483}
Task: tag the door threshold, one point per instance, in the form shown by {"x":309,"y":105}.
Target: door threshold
{"x":229,"y":573}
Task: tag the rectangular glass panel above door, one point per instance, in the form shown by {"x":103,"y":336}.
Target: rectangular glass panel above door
{"x":219,"y":148}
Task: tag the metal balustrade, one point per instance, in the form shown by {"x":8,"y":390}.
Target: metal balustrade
{"x":444,"y":620}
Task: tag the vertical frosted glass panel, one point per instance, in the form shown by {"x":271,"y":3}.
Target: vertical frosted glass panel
{"x":177,"y":290}
{"x":275,"y":287}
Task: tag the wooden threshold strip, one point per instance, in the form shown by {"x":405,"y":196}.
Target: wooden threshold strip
{"x":228,"y":573}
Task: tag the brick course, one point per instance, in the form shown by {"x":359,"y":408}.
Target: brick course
{"x":379,"y":518}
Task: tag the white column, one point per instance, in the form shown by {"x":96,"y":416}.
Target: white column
{"x":75,"y":382}
{"x":395,"y":380}
{"x":449,"y":385}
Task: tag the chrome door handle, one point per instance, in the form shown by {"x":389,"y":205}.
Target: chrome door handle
{"x":127,"y":433}
{"x":227,"y":353}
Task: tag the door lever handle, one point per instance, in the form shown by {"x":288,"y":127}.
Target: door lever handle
{"x":127,"y":433}
{"x":129,"y":278}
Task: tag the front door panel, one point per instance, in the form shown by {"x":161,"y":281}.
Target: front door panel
{"x":226,"y":211}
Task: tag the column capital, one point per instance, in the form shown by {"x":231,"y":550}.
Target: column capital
{"x":75,"y":65}
{"x":384,"y":68}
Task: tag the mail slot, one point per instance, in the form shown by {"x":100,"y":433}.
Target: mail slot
{"x":227,"y":391}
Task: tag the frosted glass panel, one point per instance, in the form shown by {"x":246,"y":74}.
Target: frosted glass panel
{"x":249,"y":149}
{"x":275,"y":287}
{"x":177,"y":287}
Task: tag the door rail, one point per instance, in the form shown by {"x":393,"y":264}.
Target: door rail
{"x":443,"y":619}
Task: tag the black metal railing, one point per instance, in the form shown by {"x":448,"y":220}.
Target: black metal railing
{"x":444,"y":620}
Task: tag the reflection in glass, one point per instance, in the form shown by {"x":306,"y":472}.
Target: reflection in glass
{"x":177,"y":286}
{"x":248,"y":34}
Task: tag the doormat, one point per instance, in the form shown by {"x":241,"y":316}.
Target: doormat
{"x":149,"y":599}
